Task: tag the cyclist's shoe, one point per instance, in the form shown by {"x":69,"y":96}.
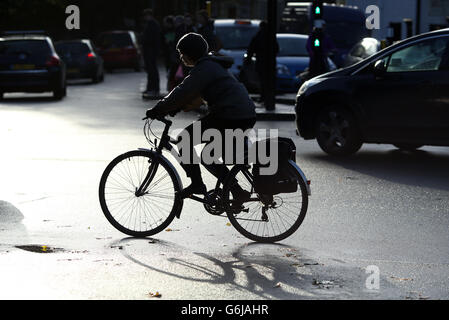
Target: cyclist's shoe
{"x":239,"y":196}
{"x":193,"y":189}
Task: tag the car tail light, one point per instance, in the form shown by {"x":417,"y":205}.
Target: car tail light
{"x":53,"y":61}
{"x":90,"y":55}
{"x":243,"y":22}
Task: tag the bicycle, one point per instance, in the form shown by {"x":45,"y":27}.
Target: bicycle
{"x":139,"y":195}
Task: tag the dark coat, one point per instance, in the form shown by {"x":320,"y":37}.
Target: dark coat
{"x":208,"y":33}
{"x":151,"y":39}
{"x":258,"y":46}
{"x":226,"y":97}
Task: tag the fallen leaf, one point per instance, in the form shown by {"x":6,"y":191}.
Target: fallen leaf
{"x":401,"y":279}
{"x":297,"y":265}
{"x":155,"y":295}
{"x":228,"y":224}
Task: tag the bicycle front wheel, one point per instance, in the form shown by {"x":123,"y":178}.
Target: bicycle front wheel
{"x":266,"y":218}
{"x":147,"y":213}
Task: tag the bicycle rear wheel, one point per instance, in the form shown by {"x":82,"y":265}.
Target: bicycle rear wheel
{"x":266,"y":218}
{"x":149,"y":213}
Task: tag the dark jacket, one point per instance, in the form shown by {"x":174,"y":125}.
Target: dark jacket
{"x":226,"y":97}
{"x":259,"y":47}
{"x":208,"y":33}
{"x":151,"y":39}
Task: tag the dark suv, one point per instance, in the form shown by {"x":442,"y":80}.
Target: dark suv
{"x":29,"y":63}
{"x":399,"y":96}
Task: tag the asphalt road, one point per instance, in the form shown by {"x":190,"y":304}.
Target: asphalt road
{"x":381,"y":208}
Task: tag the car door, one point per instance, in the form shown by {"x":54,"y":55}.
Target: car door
{"x":399,"y":104}
{"x":438,"y":114}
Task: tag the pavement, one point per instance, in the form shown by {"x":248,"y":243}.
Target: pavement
{"x":284,"y":109}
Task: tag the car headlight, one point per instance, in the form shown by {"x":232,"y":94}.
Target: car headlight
{"x":282,"y":70}
{"x":306,"y":85}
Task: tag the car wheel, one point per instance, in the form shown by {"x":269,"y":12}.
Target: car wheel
{"x":337,"y":132}
{"x":60,"y":93}
{"x":408,"y":146}
{"x":96,"y":78}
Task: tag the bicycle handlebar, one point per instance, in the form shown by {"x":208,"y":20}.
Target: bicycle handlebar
{"x":161,"y":119}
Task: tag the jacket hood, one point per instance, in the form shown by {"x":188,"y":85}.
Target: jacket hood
{"x":225,"y":61}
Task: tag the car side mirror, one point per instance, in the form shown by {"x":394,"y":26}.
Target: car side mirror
{"x":379,"y":68}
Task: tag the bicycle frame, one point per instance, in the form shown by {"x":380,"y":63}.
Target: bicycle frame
{"x":166,"y":143}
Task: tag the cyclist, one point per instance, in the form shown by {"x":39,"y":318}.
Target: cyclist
{"x":229,"y":105}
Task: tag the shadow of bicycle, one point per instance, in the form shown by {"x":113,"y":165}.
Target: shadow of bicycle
{"x":261,"y":271}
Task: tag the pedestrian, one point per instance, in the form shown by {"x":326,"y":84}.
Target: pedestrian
{"x":151,"y":42}
{"x":230,"y":106}
{"x":169,"y":41}
{"x":319,"y":46}
{"x":177,"y":71}
{"x":206,"y":28}
{"x":188,"y":22}
{"x":258,"y":47}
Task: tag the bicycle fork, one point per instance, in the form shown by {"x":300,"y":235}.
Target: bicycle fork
{"x":146,"y":182}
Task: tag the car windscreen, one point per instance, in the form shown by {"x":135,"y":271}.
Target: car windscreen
{"x":236,"y":37}
{"x":292,"y":47}
{"x":115,"y":40}
{"x":72,"y":48}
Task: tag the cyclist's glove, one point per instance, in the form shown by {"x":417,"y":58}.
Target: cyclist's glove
{"x":153,"y":113}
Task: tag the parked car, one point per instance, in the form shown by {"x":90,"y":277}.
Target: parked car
{"x":29,"y":63}
{"x":292,"y":60}
{"x":81,"y":59}
{"x":235,"y":37}
{"x":346,"y":25}
{"x":119,"y":49}
{"x":399,"y":96}
{"x":362,"y":50}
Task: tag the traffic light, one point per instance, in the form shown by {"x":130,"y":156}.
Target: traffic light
{"x":317,"y":9}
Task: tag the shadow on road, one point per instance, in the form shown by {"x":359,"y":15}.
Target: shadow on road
{"x":11,"y":227}
{"x":265,"y":270}
{"x":419,"y":168}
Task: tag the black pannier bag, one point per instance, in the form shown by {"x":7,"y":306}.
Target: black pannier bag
{"x":283,"y":181}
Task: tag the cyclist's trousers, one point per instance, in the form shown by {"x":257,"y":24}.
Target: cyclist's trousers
{"x":219,"y":170}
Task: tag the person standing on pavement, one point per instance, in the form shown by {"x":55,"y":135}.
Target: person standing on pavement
{"x":188,"y":22}
{"x":258,"y":47}
{"x":151,"y":42}
{"x":206,"y":28}
{"x":177,"y":71}
{"x":169,"y":41}
{"x":319,"y":46}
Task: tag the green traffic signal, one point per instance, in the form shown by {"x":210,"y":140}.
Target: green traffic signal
{"x":317,"y":43}
{"x":317,"y":10}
